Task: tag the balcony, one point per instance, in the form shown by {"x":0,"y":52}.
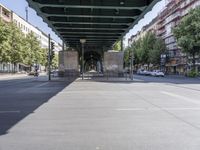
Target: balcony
{"x":160,"y":32}
{"x":172,"y":18}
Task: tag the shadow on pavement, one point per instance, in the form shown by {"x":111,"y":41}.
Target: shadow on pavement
{"x":21,"y":97}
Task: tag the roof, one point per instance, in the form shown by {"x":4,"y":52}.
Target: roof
{"x":100,"y":22}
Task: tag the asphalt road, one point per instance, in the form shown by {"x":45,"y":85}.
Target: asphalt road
{"x":146,"y":114}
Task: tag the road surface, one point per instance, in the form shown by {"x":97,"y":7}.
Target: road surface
{"x":146,"y":114}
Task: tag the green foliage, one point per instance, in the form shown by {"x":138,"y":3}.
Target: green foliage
{"x":148,"y":49}
{"x":55,"y":61}
{"x":15,"y":40}
{"x":187,"y":33}
{"x":15,"y":47}
{"x":192,"y":73}
{"x":128,"y":52}
{"x":127,"y":55}
{"x":44,"y":54}
{"x":4,"y":45}
{"x":117,"y":46}
{"x":148,"y":42}
{"x":155,"y":53}
{"x":33,"y":52}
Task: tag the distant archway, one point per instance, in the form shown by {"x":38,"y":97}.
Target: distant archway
{"x":93,"y":61}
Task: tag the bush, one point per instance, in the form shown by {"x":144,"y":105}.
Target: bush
{"x":192,"y":74}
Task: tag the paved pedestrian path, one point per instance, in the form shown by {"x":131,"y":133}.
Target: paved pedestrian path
{"x":94,"y":115}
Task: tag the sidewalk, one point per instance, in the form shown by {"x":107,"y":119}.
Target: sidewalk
{"x":181,"y":77}
{"x":108,"y":79}
{"x":4,"y":76}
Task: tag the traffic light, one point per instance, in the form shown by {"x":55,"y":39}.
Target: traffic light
{"x":52,"y":55}
{"x":52,"y":46}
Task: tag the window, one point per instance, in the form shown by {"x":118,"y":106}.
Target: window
{"x":6,"y":13}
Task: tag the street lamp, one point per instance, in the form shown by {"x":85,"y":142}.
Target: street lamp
{"x":132,"y":57}
{"x":82,"y":44}
{"x":163,"y":61}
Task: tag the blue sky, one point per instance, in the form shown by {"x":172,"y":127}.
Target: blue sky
{"x":18,"y":6}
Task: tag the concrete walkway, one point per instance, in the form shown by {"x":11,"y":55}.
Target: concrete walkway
{"x":111,"y":116}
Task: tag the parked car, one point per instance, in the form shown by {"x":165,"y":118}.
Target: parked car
{"x":146,"y":73}
{"x":143,"y":72}
{"x":54,"y":73}
{"x":140,"y":71}
{"x":157,"y":73}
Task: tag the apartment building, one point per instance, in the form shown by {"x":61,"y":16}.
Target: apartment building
{"x":151,"y":27}
{"x":9,"y":16}
{"x":26,"y":28}
{"x":168,"y":19}
{"x":163,"y":25}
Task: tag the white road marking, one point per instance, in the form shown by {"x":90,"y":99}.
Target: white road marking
{"x":130,"y":109}
{"x":181,"y":97}
{"x":156,"y":109}
{"x":42,"y":84}
{"x":4,"y":112}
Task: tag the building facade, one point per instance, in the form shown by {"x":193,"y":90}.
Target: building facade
{"x":162,"y":25}
{"x":5,"y":14}
{"x":168,"y":19}
{"x":151,"y":27}
{"x":26,"y":28}
{"x":9,"y":16}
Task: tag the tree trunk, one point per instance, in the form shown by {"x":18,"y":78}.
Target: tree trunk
{"x":148,"y":66}
{"x":193,"y":61}
{"x":14,"y":67}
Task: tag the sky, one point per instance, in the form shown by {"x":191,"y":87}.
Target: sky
{"x":20,"y":5}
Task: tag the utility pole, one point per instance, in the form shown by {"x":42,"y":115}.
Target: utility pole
{"x":82,"y":43}
{"x":131,"y":71}
{"x":49,"y":58}
{"x":26,"y":9}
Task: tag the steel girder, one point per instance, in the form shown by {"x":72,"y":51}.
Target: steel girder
{"x":98,"y":21}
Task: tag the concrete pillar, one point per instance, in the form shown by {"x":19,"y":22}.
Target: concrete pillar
{"x":63,"y":45}
{"x":122,"y":44}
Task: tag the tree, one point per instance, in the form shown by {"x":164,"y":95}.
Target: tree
{"x":44,"y":57}
{"x":159,"y":48}
{"x":187,"y":34}
{"x":127,"y":54}
{"x":55,"y":61}
{"x":33,"y":50}
{"x":147,"y":50}
{"x":15,"y":47}
{"x":4,"y":44}
{"x":117,"y":46}
{"x":130,"y":56}
{"x":138,"y":50}
{"x":15,"y":41}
